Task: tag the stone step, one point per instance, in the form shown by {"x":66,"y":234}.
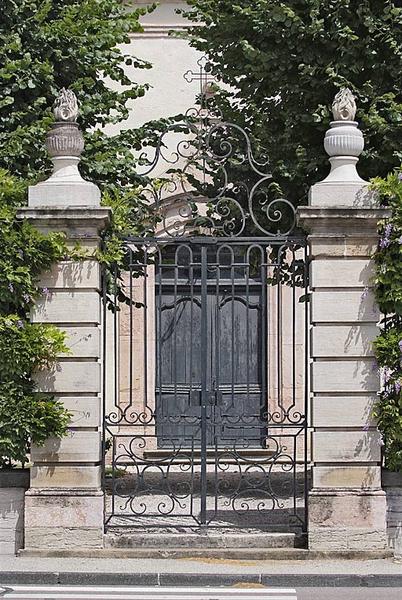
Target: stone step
{"x":121,"y":538}
{"x":248,"y":554}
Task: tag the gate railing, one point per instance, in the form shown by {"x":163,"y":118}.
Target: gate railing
{"x":205,"y":384}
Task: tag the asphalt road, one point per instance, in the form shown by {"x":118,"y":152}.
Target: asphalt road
{"x":344,"y":593}
{"x":31,"y":592}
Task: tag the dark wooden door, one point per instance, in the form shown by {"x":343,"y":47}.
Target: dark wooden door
{"x":232,"y":360}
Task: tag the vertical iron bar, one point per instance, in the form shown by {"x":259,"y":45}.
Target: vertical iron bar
{"x":191,"y":277}
{"x":264,"y":342}
{"x":145,"y":313}
{"x":159,"y":337}
{"x":306,"y":381}
{"x":116,"y":381}
{"x":204,"y":392}
{"x":294,"y":356}
{"x":104,"y":330}
{"x":176,"y":275}
{"x":232,"y":276}
{"x":247,"y":259}
{"x":279,"y":333}
{"x":130,"y":375}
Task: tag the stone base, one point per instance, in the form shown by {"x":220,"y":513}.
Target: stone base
{"x":13,"y":484}
{"x":69,"y":193}
{"x":60,"y":519}
{"x":394,"y":519}
{"x":392,"y":483}
{"x":347,"y":520}
{"x":331,"y":194}
{"x":11,"y":520}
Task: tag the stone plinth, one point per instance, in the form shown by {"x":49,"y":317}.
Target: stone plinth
{"x":347,"y":506}
{"x":64,"y":505}
{"x":13,"y":484}
{"x":392,"y":483}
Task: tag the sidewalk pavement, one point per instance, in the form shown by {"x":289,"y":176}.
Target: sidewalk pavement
{"x":200,"y":572}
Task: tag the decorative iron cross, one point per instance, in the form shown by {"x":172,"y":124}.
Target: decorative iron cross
{"x":204,"y":76}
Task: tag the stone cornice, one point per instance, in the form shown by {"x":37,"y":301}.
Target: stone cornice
{"x":337,"y":221}
{"x":81,"y":222}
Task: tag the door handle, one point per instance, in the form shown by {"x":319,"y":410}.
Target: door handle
{"x":213,"y":398}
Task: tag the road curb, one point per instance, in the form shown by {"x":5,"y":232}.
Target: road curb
{"x":200,"y":579}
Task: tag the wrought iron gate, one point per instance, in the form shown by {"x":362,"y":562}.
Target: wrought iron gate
{"x":208,"y":423}
{"x":205,"y":411}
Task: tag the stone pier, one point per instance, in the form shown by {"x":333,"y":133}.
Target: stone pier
{"x":64,"y":505}
{"x":346,"y":504}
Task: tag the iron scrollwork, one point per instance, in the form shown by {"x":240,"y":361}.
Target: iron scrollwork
{"x":215,"y":163}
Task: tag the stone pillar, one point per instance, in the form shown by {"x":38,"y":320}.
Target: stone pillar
{"x":64,"y":505}
{"x":346,"y":503}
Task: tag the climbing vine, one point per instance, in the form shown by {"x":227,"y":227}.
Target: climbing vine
{"x":388,"y":346}
{"x":25,"y":348}
{"x":44,"y":46}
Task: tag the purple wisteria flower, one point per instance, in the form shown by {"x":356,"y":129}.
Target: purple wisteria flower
{"x":400,"y":346}
{"x":11,"y":287}
{"x":398,"y":386}
{"x":26,"y":297}
{"x":385,"y":240}
{"x":385,"y":373}
{"x":400,"y":176}
{"x":46,"y":292}
{"x":365,"y":293}
{"x":20,"y":324}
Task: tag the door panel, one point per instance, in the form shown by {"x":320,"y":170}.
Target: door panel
{"x":232,"y":362}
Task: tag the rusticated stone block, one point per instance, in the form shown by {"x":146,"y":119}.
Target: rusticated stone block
{"x":67,"y":307}
{"x":63,"y":519}
{"x":344,"y":307}
{"x":84,"y":410}
{"x":70,"y":378}
{"x":65,"y":477}
{"x":333,"y":273}
{"x":341,"y":520}
{"x":78,"y":446}
{"x":346,"y":446}
{"x":82,"y":342}
{"x":352,"y":340}
{"x":347,"y":476}
{"x":343,"y":411}
{"x":345,"y":376}
{"x":72,"y":274}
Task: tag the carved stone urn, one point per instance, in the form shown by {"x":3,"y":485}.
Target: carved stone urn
{"x":65,"y":143}
{"x":344,"y":142}
{"x":65,"y":139}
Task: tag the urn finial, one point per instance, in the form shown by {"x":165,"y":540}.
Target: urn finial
{"x":65,"y":107}
{"x":65,"y":143}
{"x":344,"y":106}
{"x":344,"y":141}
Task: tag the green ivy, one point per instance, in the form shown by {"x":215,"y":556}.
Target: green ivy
{"x":25,"y":348}
{"x":388,"y":346}
{"x":46,"y":45}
